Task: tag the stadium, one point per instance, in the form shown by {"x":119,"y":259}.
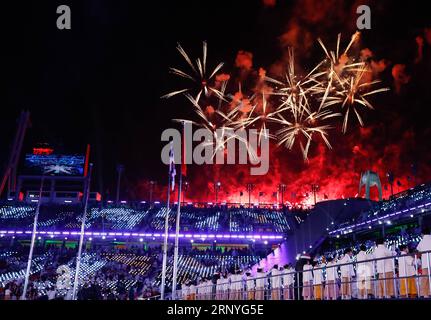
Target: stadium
{"x":134,"y":204}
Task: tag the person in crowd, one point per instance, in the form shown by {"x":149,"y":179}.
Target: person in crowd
{"x":192,"y":290}
{"x":331,"y":287}
{"x":250,"y":286}
{"x":364,"y":271}
{"x":407,"y":273}
{"x":7,"y":292}
{"x":288,"y":281}
{"x":225,"y":288}
{"x":185,"y":290}
{"x":347,"y":273}
{"x":385,"y":270}
{"x":424,"y":246}
{"x":275,"y":282}
{"x":260,"y":284}
{"x":307,"y":281}
{"x":318,"y":270}
{"x":208,"y":289}
{"x":200,"y":290}
{"x":219,"y":287}
{"x":236,"y":285}
{"x":51,"y":293}
{"x":132,"y":293}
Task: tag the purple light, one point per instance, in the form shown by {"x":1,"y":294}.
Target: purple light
{"x":128,"y":234}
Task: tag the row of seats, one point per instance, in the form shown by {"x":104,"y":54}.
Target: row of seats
{"x":55,"y":217}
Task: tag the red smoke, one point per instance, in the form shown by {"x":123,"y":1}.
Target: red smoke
{"x":244,"y":60}
{"x":400,"y":76}
{"x":269,"y":3}
{"x":386,"y":143}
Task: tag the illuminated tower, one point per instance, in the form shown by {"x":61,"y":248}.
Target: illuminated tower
{"x":370,"y":179}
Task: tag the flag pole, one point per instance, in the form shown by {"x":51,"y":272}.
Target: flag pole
{"x":177,"y":228}
{"x":33,"y":240}
{"x":165,"y":243}
{"x":81,"y":238}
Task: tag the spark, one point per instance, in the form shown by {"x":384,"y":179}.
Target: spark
{"x":345,"y":82}
{"x":198,"y":74}
{"x":260,"y":116}
{"x":302,"y":124}
{"x":222,"y":133}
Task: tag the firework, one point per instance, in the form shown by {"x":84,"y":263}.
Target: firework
{"x":300,"y":124}
{"x":302,"y":108}
{"x":221,"y":131}
{"x":198,"y":75}
{"x":346,"y":84}
{"x":260,"y":116}
{"x":295,"y":112}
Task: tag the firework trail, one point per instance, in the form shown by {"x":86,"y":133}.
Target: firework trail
{"x":301,"y":124}
{"x":198,"y":75}
{"x":222,"y":133}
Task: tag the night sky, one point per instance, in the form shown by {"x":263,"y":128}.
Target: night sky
{"x":100,"y":83}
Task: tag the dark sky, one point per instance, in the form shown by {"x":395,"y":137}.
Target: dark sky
{"x":101,"y":82}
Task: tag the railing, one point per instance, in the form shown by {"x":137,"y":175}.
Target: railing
{"x":157,"y":297}
{"x":368,"y":280}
